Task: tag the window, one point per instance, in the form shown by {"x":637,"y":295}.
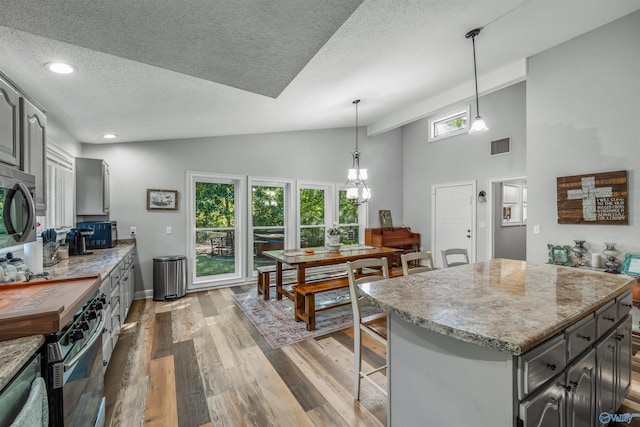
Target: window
{"x":348,"y":218}
{"x":270,"y":201}
{"x":60,"y":194}
{"x":450,"y":124}
{"x":216,"y":206}
{"x":313,"y":213}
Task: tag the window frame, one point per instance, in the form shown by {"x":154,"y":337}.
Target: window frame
{"x":289,"y":217}
{"x":240,"y":246}
{"x":329,"y":205}
{"x":433,"y":121}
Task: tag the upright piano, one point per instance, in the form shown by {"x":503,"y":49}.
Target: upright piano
{"x":393,"y":237}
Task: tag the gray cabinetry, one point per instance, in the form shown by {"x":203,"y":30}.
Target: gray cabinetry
{"x":581,"y":395}
{"x":597,"y":376}
{"x":92,"y":187}
{"x":9,"y":125}
{"x":34,"y":149}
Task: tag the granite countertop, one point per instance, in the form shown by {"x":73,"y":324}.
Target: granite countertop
{"x":501,"y":304}
{"x":14,"y":354}
{"x":100,"y":263}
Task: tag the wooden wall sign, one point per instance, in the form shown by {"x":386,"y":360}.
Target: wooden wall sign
{"x":598,"y":198}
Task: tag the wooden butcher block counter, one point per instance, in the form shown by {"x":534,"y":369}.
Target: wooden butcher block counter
{"x":43,"y":306}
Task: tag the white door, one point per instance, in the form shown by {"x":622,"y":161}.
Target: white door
{"x":453,"y":213}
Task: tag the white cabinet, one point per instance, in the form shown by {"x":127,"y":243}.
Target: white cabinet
{"x":34,"y":150}
{"x":107,"y":345}
{"x":92,"y":186}
{"x":9,"y":124}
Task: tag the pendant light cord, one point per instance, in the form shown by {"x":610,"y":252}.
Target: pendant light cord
{"x":475,"y":75}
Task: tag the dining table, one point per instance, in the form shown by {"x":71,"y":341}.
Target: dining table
{"x":303,"y":258}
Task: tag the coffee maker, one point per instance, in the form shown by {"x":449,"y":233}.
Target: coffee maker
{"x":76,"y":237}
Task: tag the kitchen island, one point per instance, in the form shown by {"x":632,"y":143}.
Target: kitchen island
{"x":478,"y":344}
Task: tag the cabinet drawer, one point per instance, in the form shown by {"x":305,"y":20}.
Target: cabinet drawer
{"x":580,"y":336}
{"x":540,"y":364}
{"x":606,"y":317}
{"x":624,"y":303}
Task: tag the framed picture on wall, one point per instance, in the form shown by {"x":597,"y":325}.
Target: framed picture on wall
{"x":162,"y":200}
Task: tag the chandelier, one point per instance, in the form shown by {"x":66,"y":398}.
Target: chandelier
{"x":356,"y":186}
{"x":478,"y":125}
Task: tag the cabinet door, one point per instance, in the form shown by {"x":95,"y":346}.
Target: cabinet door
{"x":581,"y":397}
{"x":605,"y":376}
{"x":546,"y":408}
{"x":34,"y":150}
{"x":105,"y":187}
{"x":623,"y":361}
{"x":9,"y":125}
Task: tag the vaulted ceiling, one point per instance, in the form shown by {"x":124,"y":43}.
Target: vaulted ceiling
{"x":179,"y":69}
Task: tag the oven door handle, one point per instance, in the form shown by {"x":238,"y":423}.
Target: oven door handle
{"x":88,"y":345}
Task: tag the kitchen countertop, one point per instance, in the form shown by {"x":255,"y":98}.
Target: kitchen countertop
{"x":14,"y":354}
{"x":100,"y":263}
{"x":506,"y":305}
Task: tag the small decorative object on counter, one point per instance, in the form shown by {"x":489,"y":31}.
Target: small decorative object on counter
{"x":579,"y":251}
{"x":333,"y":237}
{"x":611,"y":264}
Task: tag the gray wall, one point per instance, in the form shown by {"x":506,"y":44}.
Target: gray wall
{"x":463,"y":158}
{"x":322,"y":155}
{"x":582,"y":114}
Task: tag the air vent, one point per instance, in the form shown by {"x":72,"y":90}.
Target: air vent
{"x":500,"y":146}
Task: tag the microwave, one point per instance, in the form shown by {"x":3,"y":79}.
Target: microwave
{"x":105,"y":234}
{"x":17,"y":191}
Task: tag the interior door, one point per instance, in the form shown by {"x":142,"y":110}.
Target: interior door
{"x":453,"y":224}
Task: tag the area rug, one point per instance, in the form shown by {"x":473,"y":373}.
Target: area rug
{"x":275,"y":321}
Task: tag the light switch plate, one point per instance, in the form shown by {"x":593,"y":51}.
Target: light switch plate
{"x":536,"y":229}
{"x":169,"y":230}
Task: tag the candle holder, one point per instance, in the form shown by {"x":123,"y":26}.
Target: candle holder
{"x":579,"y":251}
{"x":611,"y":264}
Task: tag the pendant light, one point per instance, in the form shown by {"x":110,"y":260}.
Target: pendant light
{"x":478,"y":125}
{"x":356,"y":186}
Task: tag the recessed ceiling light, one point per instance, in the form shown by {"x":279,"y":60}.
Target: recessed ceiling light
{"x":109,"y":135}
{"x":59,"y":67}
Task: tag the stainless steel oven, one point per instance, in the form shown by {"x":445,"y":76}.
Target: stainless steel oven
{"x":75,"y":371}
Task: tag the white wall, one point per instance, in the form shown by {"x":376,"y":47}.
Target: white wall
{"x":322,"y":155}
{"x":582,"y":117}
{"x":62,"y":139}
{"x":463,"y":158}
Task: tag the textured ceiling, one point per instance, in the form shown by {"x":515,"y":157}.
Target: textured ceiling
{"x":172,"y":69}
{"x":258,"y":46}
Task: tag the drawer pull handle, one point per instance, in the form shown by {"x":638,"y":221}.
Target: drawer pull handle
{"x":584,"y":337}
{"x":566,"y":387}
{"x":620,"y":337}
{"x":552,"y":367}
{"x":611,"y":319}
{"x":574,"y":384}
{"x":627,"y":305}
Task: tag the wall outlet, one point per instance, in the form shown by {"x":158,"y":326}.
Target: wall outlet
{"x":536,"y":229}
{"x":169,"y":229}
{"x":132,"y":230}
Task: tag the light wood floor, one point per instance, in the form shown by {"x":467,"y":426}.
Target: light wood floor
{"x":198,"y":361}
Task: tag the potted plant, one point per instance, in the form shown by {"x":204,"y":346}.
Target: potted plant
{"x":333,"y":235}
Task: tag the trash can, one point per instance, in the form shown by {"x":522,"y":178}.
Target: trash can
{"x":169,"y":277}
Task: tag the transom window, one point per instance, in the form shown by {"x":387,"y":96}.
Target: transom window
{"x":449,"y":124}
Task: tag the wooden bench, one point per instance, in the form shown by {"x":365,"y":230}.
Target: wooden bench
{"x":264,"y":280}
{"x":304,"y":297}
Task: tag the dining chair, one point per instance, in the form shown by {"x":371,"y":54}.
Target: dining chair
{"x":416,"y":257}
{"x":374,"y":325}
{"x":456,"y":254}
